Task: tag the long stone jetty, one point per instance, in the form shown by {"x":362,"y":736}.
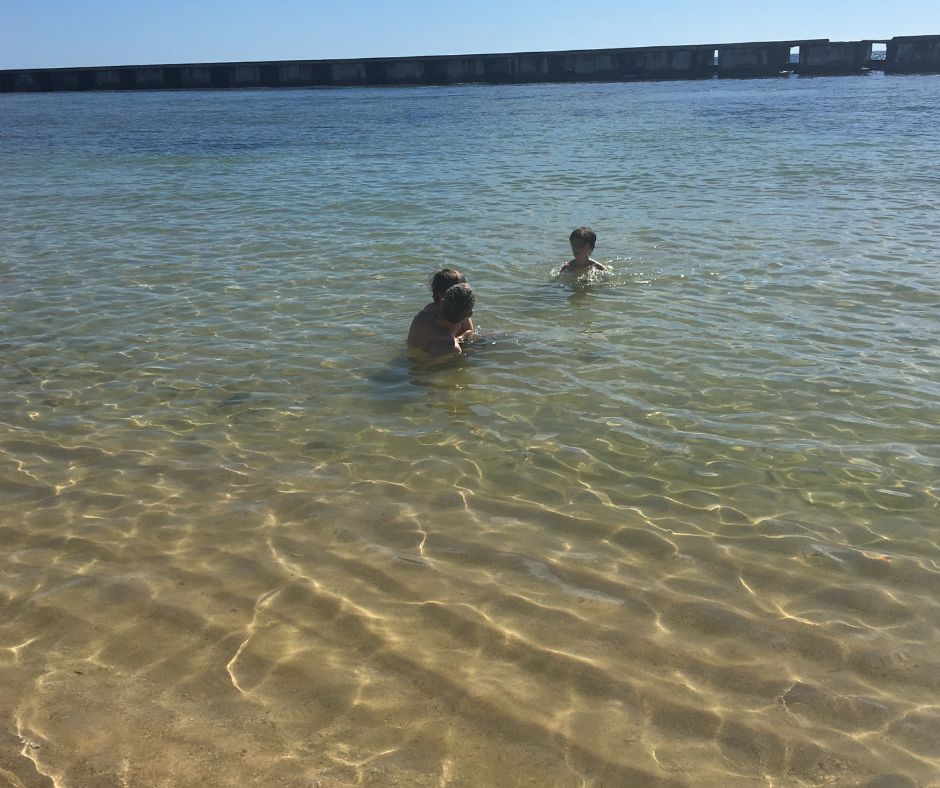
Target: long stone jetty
{"x":813,"y":57}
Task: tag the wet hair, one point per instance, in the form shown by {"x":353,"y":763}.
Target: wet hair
{"x":443,"y":280}
{"x":582,"y":236}
{"x":458,"y":303}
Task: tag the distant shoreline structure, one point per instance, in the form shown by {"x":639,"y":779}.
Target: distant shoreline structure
{"x":810,"y":57}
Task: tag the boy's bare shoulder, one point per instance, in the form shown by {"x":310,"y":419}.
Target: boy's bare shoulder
{"x":568,"y":268}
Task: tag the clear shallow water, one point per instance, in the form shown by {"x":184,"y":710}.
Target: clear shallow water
{"x":677,"y":526}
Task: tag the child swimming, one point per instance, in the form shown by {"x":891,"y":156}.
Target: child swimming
{"x":582,"y":240}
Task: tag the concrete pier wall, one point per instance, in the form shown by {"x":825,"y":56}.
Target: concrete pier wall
{"x":913,"y":55}
{"x":736,"y":60}
{"x":672,"y":63}
{"x":753,"y":60}
{"x":834,"y":57}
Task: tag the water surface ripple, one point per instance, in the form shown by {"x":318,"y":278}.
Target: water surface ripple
{"x":677,"y":526}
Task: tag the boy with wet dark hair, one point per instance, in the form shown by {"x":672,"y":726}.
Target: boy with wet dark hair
{"x":458,"y":302}
{"x":582,"y":240}
{"x":432,"y":334}
{"x":442,"y":281}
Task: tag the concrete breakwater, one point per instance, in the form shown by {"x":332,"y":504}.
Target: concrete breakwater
{"x":902,"y":54}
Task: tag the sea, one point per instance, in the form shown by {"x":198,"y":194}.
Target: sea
{"x":674,"y":524}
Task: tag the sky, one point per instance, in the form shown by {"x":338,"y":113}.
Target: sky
{"x":62,"y":33}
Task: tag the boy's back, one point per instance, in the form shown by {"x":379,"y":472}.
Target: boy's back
{"x":427,"y":336}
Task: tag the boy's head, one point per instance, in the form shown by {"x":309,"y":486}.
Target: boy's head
{"x":583,"y":237}
{"x":443,"y":280}
{"x":457,"y":303}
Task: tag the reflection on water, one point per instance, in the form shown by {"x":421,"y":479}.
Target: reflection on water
{"x":673,"y":525}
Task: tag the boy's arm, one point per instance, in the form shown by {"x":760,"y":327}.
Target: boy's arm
{"x":598,"y":266}
{"x":465,"y":331}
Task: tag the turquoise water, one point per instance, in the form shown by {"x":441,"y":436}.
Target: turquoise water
{"x":675,"y":526}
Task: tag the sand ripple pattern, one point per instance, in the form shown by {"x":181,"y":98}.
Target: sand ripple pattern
{"x":677,"y":526}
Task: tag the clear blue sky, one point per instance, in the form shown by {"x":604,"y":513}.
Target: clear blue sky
{"x":50,"y":33}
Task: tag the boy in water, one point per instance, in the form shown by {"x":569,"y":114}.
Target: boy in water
{"x":440,"y":283}
{"x":582,"y":244}
{"x":433,"y":334}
